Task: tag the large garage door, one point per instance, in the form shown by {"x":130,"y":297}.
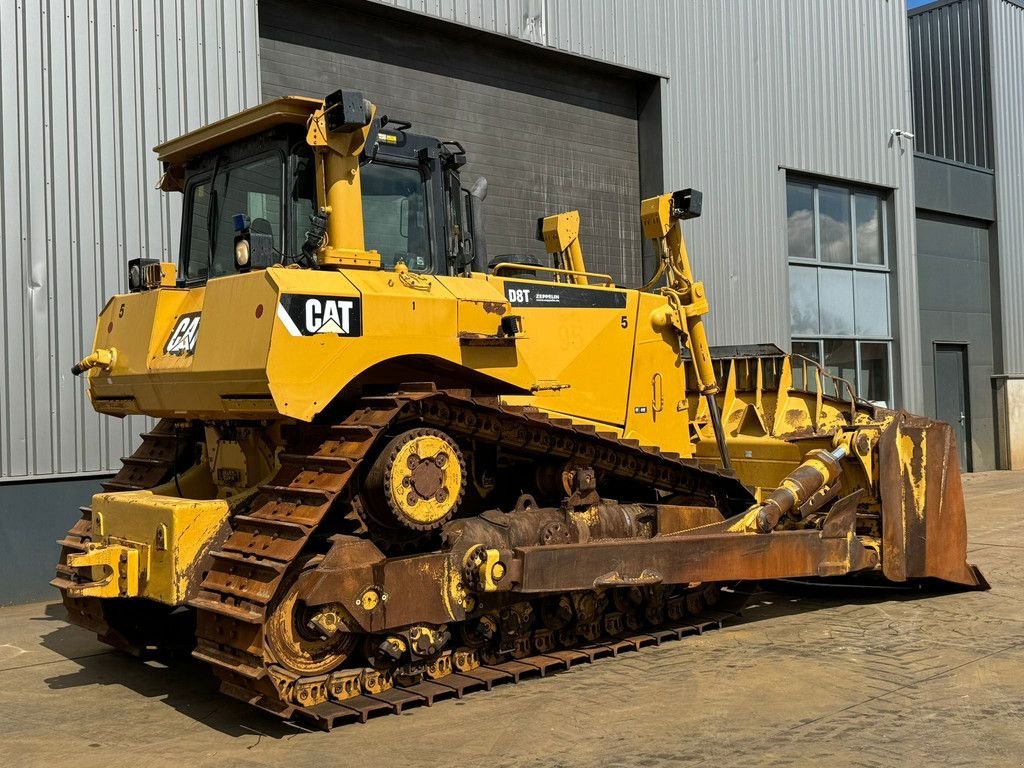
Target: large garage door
{"x":547,"y":136}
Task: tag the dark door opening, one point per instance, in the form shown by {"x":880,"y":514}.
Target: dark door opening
{"x":952,"y":398}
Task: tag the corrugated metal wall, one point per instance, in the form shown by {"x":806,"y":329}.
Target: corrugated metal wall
{"x":807,"y":87}
{"x":1007,"y":31}
{"x":753,"y":89}
{"x":949,"y":75}
{"x":522,"y":19}
{"x":86,"y":90}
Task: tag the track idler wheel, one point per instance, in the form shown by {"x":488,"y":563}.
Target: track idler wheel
{"x":305,"y":640}
{"x":417,"y":481}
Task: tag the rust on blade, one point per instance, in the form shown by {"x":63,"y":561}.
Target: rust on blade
{"x":924,"y":529}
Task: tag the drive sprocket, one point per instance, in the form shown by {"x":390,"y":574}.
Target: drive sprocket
{"x":417,"y":481}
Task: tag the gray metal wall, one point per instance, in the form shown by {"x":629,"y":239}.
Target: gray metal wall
{"x":753,"y":90}
{"x":954,"y":251}
{"x":1007,"y":37}
{"x":86,"y":90}
{"x":522,"y":19}
{"x":949,"y":73}
{"x":960,"y":190}
{"x":33,"y":517}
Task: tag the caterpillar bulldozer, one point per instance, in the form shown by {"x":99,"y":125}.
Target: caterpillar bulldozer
{"x":387,"y":470}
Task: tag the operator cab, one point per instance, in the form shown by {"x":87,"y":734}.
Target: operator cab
{"x":413,"y":206}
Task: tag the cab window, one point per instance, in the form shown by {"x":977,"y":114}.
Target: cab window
{"x":395,"y":215}
{"x":253,"y":187}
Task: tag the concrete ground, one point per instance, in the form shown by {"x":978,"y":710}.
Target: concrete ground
{"x":802,"y":679}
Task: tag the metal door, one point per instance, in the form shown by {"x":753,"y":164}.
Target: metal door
{"x":951,"y":397}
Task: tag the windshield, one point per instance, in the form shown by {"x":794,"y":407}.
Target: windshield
{"x":394,"y":211}
{"x":252,"y":187}
{"x":395,"y":215}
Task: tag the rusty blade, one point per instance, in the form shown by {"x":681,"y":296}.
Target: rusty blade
{"x":924,"y":521}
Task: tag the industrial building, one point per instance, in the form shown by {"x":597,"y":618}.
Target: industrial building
{"x":967,"y":82}
{"x":862,"y":171}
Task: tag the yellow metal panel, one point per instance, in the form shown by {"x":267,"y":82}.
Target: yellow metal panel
{"x":193,"y":352}
{"x":236,"y":326}
{"x":398,"y":319}
{"x":172,"y":537}
{"x":481,"y":304}
{"x":656,"y":412}
{"x":579,"y":356}
{"x":293,"y":110}
{"x":176,"y":330}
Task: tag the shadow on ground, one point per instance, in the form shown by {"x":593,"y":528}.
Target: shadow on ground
{"x":190,"y":688}
{"x":178,"y":680}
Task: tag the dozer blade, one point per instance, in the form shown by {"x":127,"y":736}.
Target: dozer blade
{"x":924,"y":522}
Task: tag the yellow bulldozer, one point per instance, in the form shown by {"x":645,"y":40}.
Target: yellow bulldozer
{"x":387,"y":469}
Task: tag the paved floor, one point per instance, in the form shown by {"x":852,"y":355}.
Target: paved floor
{"x":802,"y":679}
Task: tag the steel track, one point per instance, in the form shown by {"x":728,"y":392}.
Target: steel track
{"x":330,"y":714}
{"x":319,"y":469}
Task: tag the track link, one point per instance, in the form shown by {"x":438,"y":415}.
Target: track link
{"x":318,"y":470}
{"x":359,"y":708}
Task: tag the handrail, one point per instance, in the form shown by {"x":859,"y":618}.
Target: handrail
{"x":837,"y":381}
{"x":609,"y":283}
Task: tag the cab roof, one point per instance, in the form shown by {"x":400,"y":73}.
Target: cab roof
{"x":289,"y":110}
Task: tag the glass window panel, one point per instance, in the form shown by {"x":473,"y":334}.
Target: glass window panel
{"x":266,"y":206}
{"x":872,"y":310}
{"x":395,"y":215}
{"x":800,"y":220}
{"x":197,"y":256}
{"x":803,"y":372}
{"x":809,"y":349}
{"x":841,"y":361}
{"x":873,"y":382}
{"x":803,"y":300}
{"x":836,"y":301}
{"x":252,"y":188}
{"x":868,"y":212}
{"x":834,"y":224}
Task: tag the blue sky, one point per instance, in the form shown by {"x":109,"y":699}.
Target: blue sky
{"x":915,"y":3}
